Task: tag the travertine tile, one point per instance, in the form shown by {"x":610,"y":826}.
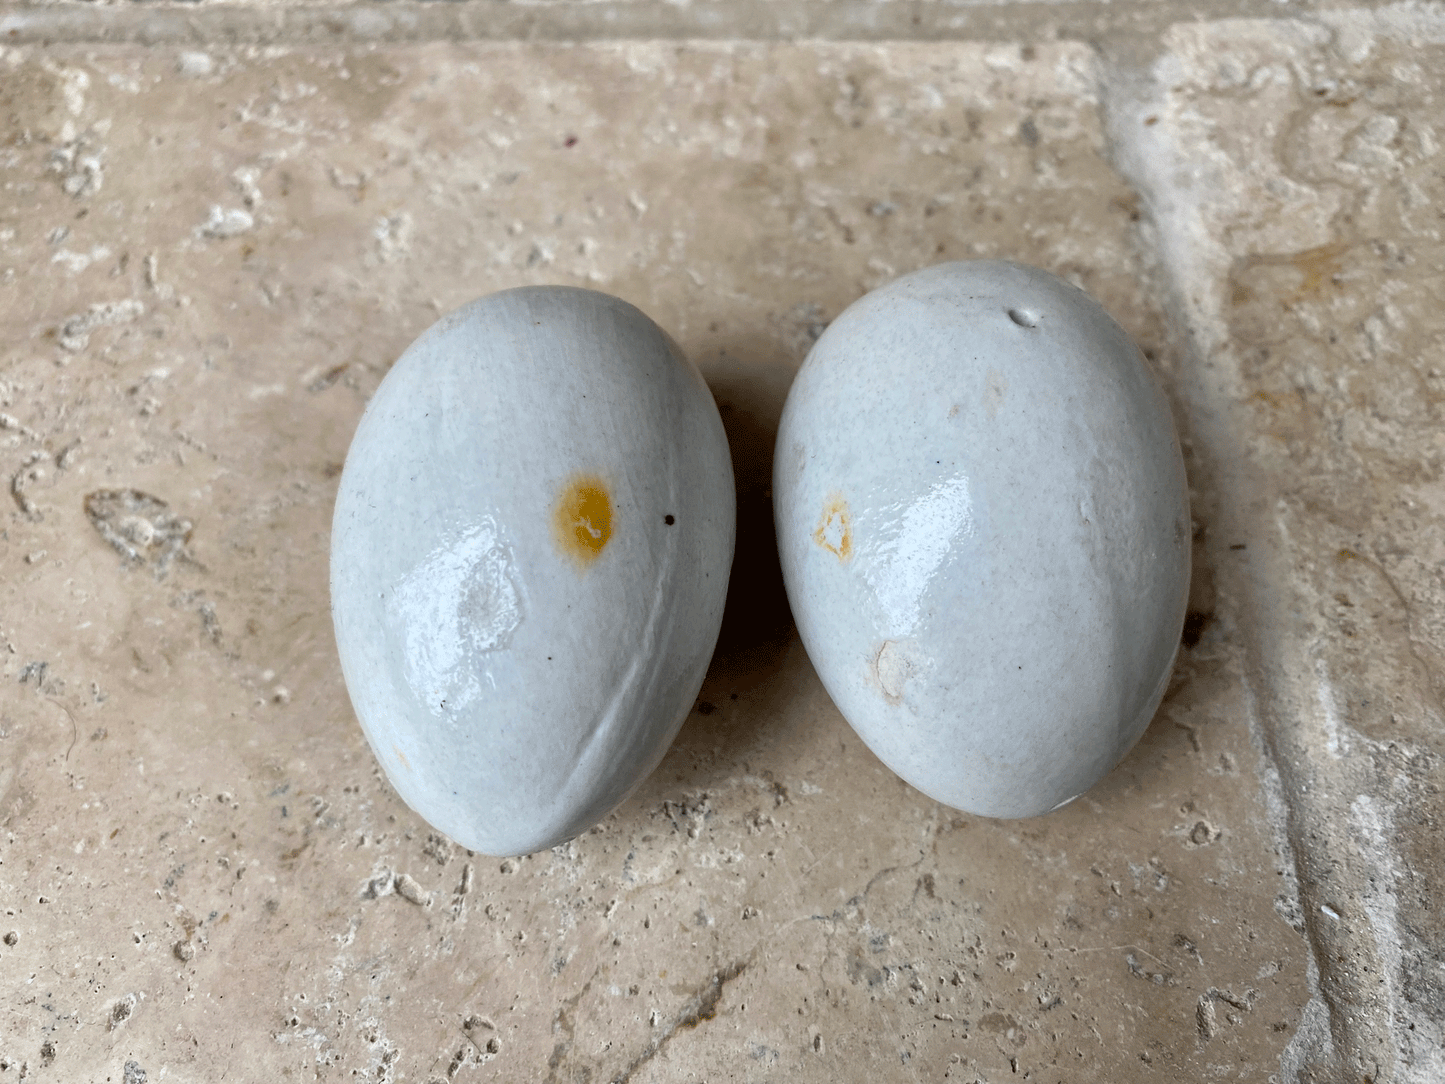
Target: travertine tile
{"x":1295,"y":171}
{"x":198,"y":24}
{"x":205,"y":871}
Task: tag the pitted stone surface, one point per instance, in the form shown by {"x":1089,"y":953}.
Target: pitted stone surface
{"x":208,"y":257}
{"x":1295,"y":171}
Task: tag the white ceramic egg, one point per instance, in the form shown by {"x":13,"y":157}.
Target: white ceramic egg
{"x":529,"y":559}
{"x":984,"y":530}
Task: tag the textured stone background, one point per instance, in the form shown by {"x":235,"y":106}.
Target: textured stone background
{"x":220,"y":224}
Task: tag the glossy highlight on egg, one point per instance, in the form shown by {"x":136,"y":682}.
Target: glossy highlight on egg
{"x":983,"y":525}
{"x":530,"y":555}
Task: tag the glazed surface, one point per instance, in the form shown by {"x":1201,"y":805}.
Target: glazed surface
{"x":530,"y":556}
{"x":984,"y":529}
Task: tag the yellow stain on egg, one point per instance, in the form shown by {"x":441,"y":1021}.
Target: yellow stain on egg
{"x":835,"y":528}
{"x":582,"y":518}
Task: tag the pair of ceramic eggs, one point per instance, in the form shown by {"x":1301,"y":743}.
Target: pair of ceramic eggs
{"x":981,"y":513}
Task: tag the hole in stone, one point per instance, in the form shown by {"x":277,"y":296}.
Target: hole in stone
{"x":1024,"y":317}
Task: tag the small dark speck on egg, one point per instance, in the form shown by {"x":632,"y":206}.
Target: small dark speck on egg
{"x":669,"y":519}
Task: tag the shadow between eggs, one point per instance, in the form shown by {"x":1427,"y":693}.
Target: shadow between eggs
{"x":750,"y":673}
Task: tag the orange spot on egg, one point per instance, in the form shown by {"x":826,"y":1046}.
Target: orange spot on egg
{"x":401,"y":757}
{"x":835,"y":528}
{"x":582,"y":518}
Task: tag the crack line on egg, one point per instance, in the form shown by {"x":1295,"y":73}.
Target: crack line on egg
{"x":606,"y":719}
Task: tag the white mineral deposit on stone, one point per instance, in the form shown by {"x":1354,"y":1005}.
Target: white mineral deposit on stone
{"x":226,"y":222}
{"x":194,"y":64}
{"x":983,"y":525}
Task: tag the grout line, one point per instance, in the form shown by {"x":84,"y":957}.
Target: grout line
{"x":1190,"y":261}
{"x":1354,"y":973}
{"x":379,"y":21}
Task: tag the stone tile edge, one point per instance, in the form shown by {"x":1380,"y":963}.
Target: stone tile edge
{"x":603,"y":20}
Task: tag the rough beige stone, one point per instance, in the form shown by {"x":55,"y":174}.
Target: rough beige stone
{"x":1295,"y":172}
{"x":195,"y":25}
{"x":205,"y":267}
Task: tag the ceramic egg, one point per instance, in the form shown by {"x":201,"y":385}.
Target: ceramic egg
{"x":983,"y":524}
{"x":529,"y":559}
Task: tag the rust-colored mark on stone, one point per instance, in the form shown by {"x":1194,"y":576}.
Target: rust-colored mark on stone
{"x":1318,"y":266}
{"x":1306,"y":273}
{"x":835,"y":528}
{"x":1270,"y":399}
{"x":582,"y":518}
